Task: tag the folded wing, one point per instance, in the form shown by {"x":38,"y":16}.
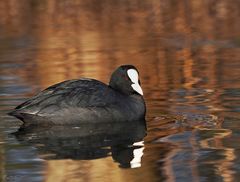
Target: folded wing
{"x":82,"y":93}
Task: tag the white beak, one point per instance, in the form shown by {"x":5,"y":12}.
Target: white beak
{"x":133,"y":75}
{"x":137,"y":88}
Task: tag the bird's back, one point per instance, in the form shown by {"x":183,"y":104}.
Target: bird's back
{"x":75,"y":99}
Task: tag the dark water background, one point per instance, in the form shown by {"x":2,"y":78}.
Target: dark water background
{"x":188,"y":55}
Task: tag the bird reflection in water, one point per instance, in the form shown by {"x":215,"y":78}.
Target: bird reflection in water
{"x":122,"y":141}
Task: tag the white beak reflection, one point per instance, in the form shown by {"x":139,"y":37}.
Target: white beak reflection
{"x":137,"y":153}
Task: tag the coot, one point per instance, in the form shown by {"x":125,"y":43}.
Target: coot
{"x":87,"y":101}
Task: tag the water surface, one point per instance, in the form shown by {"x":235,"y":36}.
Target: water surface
{"x":187,"y":54}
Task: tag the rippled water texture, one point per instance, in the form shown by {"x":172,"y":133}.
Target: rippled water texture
{"x":188,"y":55}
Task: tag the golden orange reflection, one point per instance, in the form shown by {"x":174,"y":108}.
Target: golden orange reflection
{"x":174,"y":44}
{"x":223,"y":165}
{"x":103,"y":169}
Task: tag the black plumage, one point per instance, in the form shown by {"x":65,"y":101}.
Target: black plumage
{"x":84,"y":101}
